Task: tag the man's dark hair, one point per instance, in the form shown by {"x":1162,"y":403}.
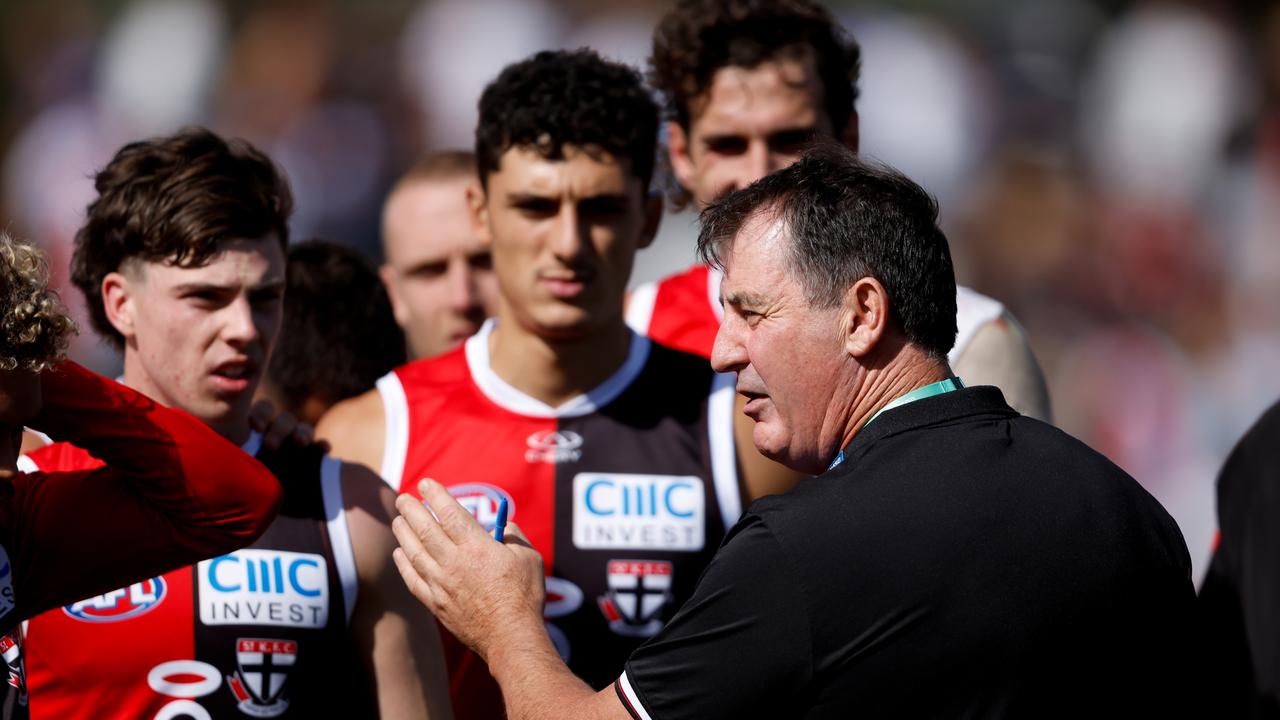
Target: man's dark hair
{"x":339,"y":335}
{"x":848,"y":219}
{"x":558,"y":98}
{"x":698,"y":37}
{"x":175,"y":200}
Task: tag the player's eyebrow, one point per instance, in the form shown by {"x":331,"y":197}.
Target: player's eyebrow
{"x":743,"y":299}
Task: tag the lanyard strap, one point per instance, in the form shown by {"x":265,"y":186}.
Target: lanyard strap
{"x":938,"y":388}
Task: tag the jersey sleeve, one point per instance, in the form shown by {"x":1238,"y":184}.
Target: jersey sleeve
{"x":739,"y":648}
{"x":170,"y":491}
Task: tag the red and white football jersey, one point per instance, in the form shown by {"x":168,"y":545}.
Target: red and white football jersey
{"x":260,"y":632}
{"x":626,"y":490}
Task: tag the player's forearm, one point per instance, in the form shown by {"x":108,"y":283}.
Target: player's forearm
{"x":212,"y":496}
{"x":536,"y":684}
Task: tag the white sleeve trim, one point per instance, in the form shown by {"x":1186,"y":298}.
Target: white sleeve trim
{"x":624,"y":683}
{"x":395,"y":442}
{"x":640,"y":307}
{"x":27,"y":465}
{"x":335,"y":517}
{"x":724,"y":460}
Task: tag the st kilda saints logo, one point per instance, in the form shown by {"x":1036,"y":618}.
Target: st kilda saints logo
{"x":638,"y":592}
{"x":263,"y":667}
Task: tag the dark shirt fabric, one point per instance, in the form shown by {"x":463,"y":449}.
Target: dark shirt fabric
{"x":963,"y":561}
{"x":1240,"y":598}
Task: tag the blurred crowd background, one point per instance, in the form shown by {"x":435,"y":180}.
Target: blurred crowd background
{"x":1110,"y":170}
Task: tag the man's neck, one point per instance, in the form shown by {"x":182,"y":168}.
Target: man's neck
{"x":234,"y":428}
{"x":556,"y":371}
{"x":911,"y":368}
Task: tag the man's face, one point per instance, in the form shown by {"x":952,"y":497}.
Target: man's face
{"x":789,"y":356}
{"x":199,"y":339}
{"x":749,"y":123}
{"x":437,"y":272}
{"x":564,"y":234}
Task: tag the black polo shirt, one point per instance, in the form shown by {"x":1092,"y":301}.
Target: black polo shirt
{"x":963,"y":561}
{"x":1240,"y":597}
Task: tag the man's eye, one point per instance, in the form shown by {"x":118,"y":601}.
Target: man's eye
{"x":791,"y":142}
{"x":727,"y":145}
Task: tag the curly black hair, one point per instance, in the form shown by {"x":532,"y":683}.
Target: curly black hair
{"x":558,"y":98}
{"x":174,"y":200}
{"x":698,"y":37}
{"x":339,"y":335}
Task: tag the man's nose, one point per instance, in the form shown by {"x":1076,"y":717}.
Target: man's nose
{"x":462,"y":284}
{"x":728,"y":353}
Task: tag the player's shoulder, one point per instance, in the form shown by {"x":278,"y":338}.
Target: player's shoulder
{"x":437,"y":372}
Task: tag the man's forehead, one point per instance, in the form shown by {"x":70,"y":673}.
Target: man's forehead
{"x":525,"y":169}
{"x":429,"y":221}
{"x":758,"y":250}
{"x":783,"y":90}
{"x":262,"y":256}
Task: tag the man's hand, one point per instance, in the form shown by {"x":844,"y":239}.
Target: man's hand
{"x":483,"y":591}
{"x":277,"y":426}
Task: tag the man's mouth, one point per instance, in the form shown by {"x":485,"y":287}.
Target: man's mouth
{"x":755,"y":402}
{"x":565,"y":286}
{"x":235,"y":376}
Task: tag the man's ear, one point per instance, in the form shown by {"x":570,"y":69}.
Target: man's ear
{"x":866,"y":316}
{"x":399,"y":309}
{"x":652,"y":219}
{"x":479,"y":214}
{"x":119,"y":302}
{"x":850,"y":135}
{"x":678,"y":154}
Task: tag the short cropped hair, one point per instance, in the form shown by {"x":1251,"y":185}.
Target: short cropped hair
{"x":848,"y":219}
{"x":442,"y":165}
{"x":34,"y":327}
{"x":176,"y":200}
{"x":559,"y":98}
{"x":339,"y":335}
{"x":698,"y":37}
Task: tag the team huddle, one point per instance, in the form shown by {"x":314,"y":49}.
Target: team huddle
{"x":172,"y":550}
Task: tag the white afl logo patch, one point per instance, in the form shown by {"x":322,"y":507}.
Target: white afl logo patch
{"x":554,"y":446}
{"x":6,"y":583}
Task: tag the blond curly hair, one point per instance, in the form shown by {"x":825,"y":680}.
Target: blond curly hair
{"x":34,"y":326}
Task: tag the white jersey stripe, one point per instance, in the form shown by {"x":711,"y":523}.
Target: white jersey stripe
{"x":344,"y":558}
{"x":395,"y":444}
{"x":714,"y":278}
{"x":640,"y":307}
{"x":27,"y":465}
{"x":624,"y":683}
{"x":724,"y":461}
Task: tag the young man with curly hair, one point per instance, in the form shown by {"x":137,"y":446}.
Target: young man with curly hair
{"x":157,"y":500}
{"x":615,"y":454}
{"x":182,"y":262}
{"x":747,"y":84}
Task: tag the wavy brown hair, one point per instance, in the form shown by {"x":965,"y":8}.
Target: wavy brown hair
{"x":34,"y":327}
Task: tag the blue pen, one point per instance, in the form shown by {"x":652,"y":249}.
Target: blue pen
{"x":500,"y":527}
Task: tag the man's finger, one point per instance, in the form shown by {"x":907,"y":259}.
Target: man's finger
{"x":416,"y":551}
{"x":425,"y":528}
{"x":418,"y":587}
{"x":281,"y":428}
{"x":516,"y":536}
{"x":460,"y":525}
{"x":260,"y":415}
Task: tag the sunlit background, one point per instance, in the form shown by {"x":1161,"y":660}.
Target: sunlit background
{"x":1110,"y":170}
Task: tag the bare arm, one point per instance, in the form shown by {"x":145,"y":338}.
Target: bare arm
{"x":398,"y":637}
{"x":355,"y":430}
{"x":490,"y":595}
{"x":1000,"y":355}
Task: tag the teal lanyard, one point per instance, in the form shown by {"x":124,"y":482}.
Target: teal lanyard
{"x":939,"y":388}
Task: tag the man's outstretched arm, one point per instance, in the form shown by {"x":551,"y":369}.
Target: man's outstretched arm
{"x":490,"y":595}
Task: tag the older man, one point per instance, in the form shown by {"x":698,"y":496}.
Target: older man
{"x":954,"y":559}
